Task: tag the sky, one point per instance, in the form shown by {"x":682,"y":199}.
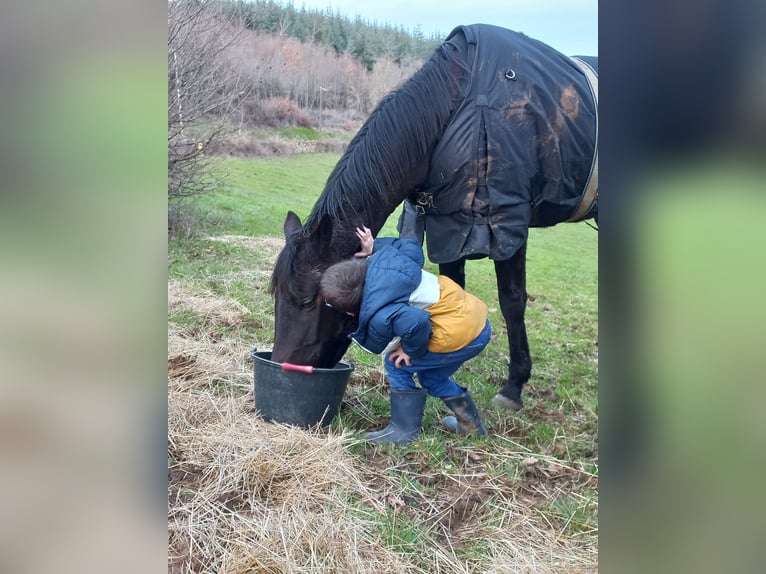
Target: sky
{"x":569,"y":26}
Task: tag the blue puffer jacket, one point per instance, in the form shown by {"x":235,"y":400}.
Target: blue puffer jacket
{"x":393,"y":273}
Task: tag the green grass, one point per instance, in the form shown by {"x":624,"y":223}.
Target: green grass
{"x":293,"y":132}
{"x":258,"y":192}
{"x":559,"y":422}
{"x":574,"y":512}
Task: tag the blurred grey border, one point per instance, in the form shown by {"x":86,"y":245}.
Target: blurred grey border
{"x":83,"y":288}
{"x":82,"y":312}
{"x":681,"y":277}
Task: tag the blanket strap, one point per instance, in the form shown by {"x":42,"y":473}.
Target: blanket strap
{"x":590,"y":195}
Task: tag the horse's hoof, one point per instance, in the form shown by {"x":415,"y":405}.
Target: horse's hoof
{"x":505,"y":403}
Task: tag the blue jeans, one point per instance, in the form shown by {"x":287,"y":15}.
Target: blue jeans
{"x":435,"y":369}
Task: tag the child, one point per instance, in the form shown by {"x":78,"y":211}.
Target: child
{"x":425,"y":324}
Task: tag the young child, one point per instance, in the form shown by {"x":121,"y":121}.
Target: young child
{"x":425,"y":324}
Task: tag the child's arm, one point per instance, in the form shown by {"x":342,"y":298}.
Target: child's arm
{"x":414,"y":327}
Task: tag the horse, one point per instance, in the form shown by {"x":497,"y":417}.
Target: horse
{"x":495,"y":133}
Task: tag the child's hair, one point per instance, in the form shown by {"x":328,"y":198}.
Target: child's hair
{"x":342,"y":284}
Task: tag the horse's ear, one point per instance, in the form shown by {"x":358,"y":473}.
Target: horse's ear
{"x":324,"y":234}
{"x":292,"y":225}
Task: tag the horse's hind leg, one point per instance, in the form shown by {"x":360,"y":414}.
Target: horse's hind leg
{"x":455,"y":271}
{"x":512,"y":292}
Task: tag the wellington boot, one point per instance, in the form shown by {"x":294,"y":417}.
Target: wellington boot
{"x":407,"y":408}
{"x":466,"y":419}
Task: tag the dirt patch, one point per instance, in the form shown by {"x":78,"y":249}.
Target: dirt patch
{"x":538,"y":412}
{"x":183,"y":556}
{"x":462,"y":505}
{"x":184,"y":367}
{"x":570,"y":102}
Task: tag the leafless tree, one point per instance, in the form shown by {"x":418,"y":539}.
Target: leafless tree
{"x":204,"y":91}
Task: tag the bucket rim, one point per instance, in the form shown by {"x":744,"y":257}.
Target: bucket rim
{"x":340,"y":367}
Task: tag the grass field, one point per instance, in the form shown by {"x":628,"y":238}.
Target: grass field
{"x":252,"y":496}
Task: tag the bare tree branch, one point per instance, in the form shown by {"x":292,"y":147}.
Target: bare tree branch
{"x":204,"y":91}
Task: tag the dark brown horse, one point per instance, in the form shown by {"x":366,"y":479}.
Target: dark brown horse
{"x":496,"y":133}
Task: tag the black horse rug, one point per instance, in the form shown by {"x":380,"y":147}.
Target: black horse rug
{"x":519,"y":151}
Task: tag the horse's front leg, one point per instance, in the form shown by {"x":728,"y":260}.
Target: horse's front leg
{"x":455,"y":271}
{"x":512,"y":292}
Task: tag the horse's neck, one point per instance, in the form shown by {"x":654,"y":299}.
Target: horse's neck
{"x":370,"y":211}
{"x":392,"y":168}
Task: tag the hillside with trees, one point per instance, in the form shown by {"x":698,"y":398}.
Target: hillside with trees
{"x":236,"y":66}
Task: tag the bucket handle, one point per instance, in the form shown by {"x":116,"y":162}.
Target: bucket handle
{"x":301,"y":368}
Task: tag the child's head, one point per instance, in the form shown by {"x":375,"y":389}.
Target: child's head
{"x":342,"y":285}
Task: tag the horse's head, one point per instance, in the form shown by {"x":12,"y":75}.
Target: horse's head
{"x":306,"y":331}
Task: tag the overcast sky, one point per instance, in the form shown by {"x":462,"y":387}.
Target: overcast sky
{"x":570,"y":26}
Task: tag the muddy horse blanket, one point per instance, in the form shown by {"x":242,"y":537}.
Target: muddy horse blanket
{"x":518,"y":151}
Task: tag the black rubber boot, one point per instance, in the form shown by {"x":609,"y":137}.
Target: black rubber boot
{"x":407,"y":408}
{"x":466,"y":419}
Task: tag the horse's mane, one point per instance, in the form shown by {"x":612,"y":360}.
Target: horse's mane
{"x":284,"y":267}
{"x":393,"y":141}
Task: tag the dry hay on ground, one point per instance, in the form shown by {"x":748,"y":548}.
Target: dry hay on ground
{"x":249,"y":496}
{"x":269,"y":245}
{"x":199,"y":356}
{"x":216,"y":310}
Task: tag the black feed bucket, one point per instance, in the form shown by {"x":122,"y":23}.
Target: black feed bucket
{"x":297,"y":395}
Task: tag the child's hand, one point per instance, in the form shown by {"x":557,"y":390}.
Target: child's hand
{"x":365,"y":238}
{"x":397,"y":356}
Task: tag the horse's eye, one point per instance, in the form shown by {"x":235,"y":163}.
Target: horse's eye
{"x":307,"y":304}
